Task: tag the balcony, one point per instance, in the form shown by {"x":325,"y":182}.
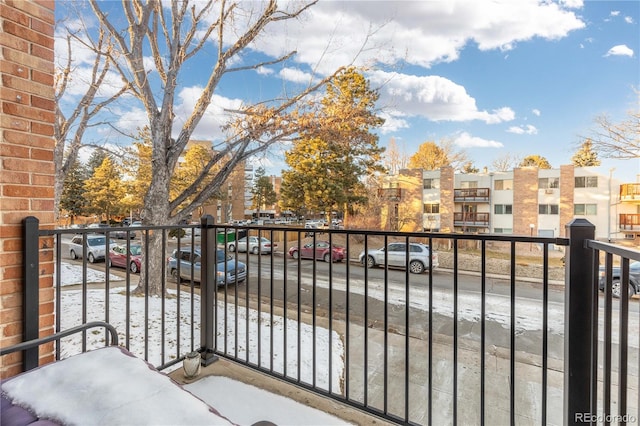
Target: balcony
{"x":390,"y":194}
{"x":629,"y":222}
{"x":406,"y":347}
{"x":630,"y":192}
{"x":471,"y":195}
{"x":461,"y":219}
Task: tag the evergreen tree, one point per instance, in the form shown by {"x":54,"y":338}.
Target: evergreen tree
{"x":262,"y":191}
{"x":104,"y":190}
{"x":327,"y":162}
{"x":72,"y":198}
{"x":535,"y":161}
{"x":585,"y":156}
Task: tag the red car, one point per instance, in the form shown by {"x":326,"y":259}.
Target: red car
{"x":323,"y":251}
{"x":118,"y":257}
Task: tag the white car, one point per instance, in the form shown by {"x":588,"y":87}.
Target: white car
{"x":396,"y":255}
{"x":96,"y":248}
{"x":256,"y":245}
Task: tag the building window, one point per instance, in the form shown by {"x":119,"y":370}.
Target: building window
{"x":547,"y":209}
{"x":503,"y":209}
{"x":503,"y":184}
{"x":468,"y":184}
{"x":432,"y":208}
{"x":431,"y":183}
{"x":585,"y":209}
{"x":503,"y":231}
{"x":586,"y":181}
{"x":547,"y":183}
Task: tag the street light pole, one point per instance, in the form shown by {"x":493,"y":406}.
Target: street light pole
{"x":531,"y":226}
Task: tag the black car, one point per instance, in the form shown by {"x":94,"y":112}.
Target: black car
{"x":634,"y":279}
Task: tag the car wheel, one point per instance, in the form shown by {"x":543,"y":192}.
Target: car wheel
{"x":232,"y":248}
{"x":295,"y":255}
{"x":174,"y":274}
{"x":327,"y":257}
{"x":371,"y":262}
{"x":615,"y":289}
{"x":73,"y":255}
{"x":255,"y":250}
{"x":416,"y":267}
{"x":133,"y":267}
{"x":91,"y":258}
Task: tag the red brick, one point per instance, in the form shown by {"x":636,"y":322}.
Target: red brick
{"x":46,"y":180}
{"x":14,"y":69}
{"x":15,"y":204}
{"x":30,"y":191}
{"x":7,"y":150}
{"x":8,"y":42}
{"x":14,"y":123}
{"x":42,"y":52}
{"x":27,"y":165}
{"x":42,"y":27}
{"x":28,"y":140}
{"x":14,"y":177}
{"x":13,"y":15}
{"x":42,"y":129}
{"x":42,"y":205}
{"x":39,"y":9}
{"x":27,"y":112}
{"x":48,"y":104}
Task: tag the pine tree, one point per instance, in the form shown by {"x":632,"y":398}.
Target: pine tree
{"x":327,"y":162}
{"x":104,"y":190}
{"x":585,"y":156}
{"x":262,"y":191}
{"x":535,"y":161}
{"x":72,"y":198}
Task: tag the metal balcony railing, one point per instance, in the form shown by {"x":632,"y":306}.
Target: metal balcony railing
{"x":630,"y":192}
{"x":434,"y":347}
{"x":629,"y":222}
{"x":390,"y":194}
{"x":461,"y":219}
{"x":468,"y":195}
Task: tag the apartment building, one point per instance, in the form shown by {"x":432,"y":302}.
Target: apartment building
{"x":524,"y":201}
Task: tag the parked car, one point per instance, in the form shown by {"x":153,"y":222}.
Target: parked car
{"x":227,"y":269}
{"x":124,"y":234}
{"x":95,"y":249}
{"x":256,"y":245}
{"x":323,"y":251}
{"x":634,"y":279}
{"x":118,"y":257}
{"x":418,"y":260}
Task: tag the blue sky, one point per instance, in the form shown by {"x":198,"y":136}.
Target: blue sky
{"x":519,"y":77}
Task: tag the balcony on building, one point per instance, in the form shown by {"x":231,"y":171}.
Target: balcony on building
{"x":630,"y":192}
{"x":629,"y":222}
{"x":390,"y":194}
{"x":471,"y":195}
{"x":471,"y":219}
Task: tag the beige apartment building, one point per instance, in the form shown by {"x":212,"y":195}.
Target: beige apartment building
{"x":524,"y":201}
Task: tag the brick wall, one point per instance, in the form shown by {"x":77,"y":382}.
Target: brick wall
{"x":447,"y":205}
{"x":525,"y":200}
{"x":567,"y":190}
{"x":26,"y":161}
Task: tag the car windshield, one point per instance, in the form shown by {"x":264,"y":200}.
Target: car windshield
{"x":96,"y":241}
{"x":136,"y":250}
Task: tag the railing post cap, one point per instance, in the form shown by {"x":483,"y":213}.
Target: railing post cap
{"x":579,"y":222}
{"x":207,"y":221}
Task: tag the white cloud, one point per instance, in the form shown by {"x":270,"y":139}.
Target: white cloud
{"x":620,"y":50}
{"x":465,"y":140}
{"x":615,"y":13}
{"x":264,"y":71}
{"x":295,"y":75}
{"x":433,"y":97}
{"x":536,"y":112}
{"x":628,"y":19}
{"x":420,"y":33}
{"x":523,"y":130}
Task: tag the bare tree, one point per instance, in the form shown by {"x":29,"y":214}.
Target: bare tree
{"x":175,"y":34}
{"x":506,"y":163}
{"x":617,"y":140}
{"x":69,"y":130}
{"x":395,"y":159}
